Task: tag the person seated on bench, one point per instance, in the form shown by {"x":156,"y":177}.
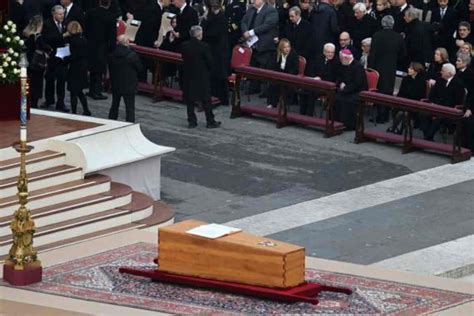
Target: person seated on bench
{"x":447,"y":91}
{"x":324,"y":67}
{"x":351,"y":80}
{"x":413,"y":87}
{"x":285,"y":60}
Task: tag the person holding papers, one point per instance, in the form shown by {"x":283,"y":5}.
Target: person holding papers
{"x":56,"y":70}
{"x":259,"y":29}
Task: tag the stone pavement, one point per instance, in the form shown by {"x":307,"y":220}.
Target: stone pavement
{"x":248,"y":167}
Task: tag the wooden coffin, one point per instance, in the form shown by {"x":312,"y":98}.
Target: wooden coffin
{"x":239,"y":257}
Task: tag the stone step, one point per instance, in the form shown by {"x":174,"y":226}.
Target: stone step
{"x":56,"y":194}
{"x":42,"y":179}
{"x":61,"y":231}
{"x":34,"y":162}
{"x":118,"y":196}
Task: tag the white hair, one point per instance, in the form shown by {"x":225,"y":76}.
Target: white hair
{"x":57,"y":8}
{"x":360,"y":7}
{"x":329,"y":45}
{"x":449,"y":68}
{"x":367,"y":41}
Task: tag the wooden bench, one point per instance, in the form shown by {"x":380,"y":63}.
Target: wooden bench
{"x":409,"y":143}
{"x":288,"y":83}
{"x":159,"y":89}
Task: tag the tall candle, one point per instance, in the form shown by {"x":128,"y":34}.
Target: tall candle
{"x":24,"y":94}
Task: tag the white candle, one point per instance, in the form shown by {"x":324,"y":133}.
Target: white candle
{"x":23,"y":73}
{"x":23,"y":134}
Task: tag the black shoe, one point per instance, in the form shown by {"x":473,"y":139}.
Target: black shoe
{"x":100,"y":96}
{"x":192,"y":125}
{"x":262,"y":95}
{"x":87,"y":113}
{"x":214,"y":124}
{"x":46,"y":105}
{"x":62,"y":109}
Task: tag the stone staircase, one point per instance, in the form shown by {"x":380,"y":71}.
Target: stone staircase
{"x":68,"y":207}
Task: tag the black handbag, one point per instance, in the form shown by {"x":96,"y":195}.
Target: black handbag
{"x":39,"y":61}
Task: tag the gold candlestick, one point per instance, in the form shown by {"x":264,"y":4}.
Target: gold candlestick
{"x":22,"y":266}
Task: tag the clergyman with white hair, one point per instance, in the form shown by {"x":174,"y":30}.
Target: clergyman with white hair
{"x":387,"y":49}
{"x":197,"y":64}
{"x":447,"y":91}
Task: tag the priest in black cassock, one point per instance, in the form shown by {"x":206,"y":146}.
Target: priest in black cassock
{"x":351,"y":80}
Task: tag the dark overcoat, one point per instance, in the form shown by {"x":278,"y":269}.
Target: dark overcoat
{"x":197,"y":67}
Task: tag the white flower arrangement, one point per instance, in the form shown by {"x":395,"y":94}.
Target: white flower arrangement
{"x":11,"y":47}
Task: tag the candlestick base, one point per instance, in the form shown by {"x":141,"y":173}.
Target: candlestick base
{"x":31,"y":273}
{"x":22,"y":148}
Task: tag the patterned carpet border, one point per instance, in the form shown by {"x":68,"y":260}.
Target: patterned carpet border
{"x":96,"y":278}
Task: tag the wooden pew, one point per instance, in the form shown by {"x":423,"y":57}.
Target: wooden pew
{"x":409,"y":143}
{"x":158,"y":89}
{"x":289,"y":82}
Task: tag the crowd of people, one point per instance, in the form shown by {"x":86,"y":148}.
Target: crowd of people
{"x":428,"y":40}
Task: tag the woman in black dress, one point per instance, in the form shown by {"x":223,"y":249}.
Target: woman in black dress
{"x":170,"y":44}
{"x":286,"y":60}
{"x":413,"y":87}
{"x":214,"y":25}
{"x":35,"y":45}
{"x":77,"y":74}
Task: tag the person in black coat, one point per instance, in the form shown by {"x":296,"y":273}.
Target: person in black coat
{"x":465,"y":75}
{"x":413,"y":87}
{"x":72,"y":12}
{"x":350,"y":82}
{"x":463,"y":35}
{"x":447,"y":91}
{"x":285,"y":60}
{"x":100,"y":31}
{"x":77,"y":74}
{"x":170,"y":44}
{"x":17,"y":14}
{"x":324,"y":26}
{"x":298,"y":32}
{"x":197,"y":65}
{"x":361,"y":25}
{"x":35,"y":42}
{"x":125,"y":65}
{"x":215,"y":35}
{"x":398,"y":12}
{"x":324,"y":67}
{"x":440,"y":58}
{"x":387,"y":49}
{"x":56,"y":71}
{"x":418,"y":38}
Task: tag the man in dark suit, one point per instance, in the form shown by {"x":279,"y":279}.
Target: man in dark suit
{"x":323,"y":67}
{"x":101,"y":32}
{"x":298,"y":32}
{"x":150,"y":17}
{"x":447,"y":91}
{"x":445,"y":19}
{"x":398,"y":12}
{"x":387,"y":48}
{"x":124,"y":69}
{"x":72,"y":12}
{"x":197,"y":64}
{"x":185,"y":19}
{"x":56,"y":71}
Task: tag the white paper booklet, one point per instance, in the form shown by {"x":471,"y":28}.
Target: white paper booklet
{"x":252,"y":40}
{"x":213,"y":231}
{"x":63,"y":52}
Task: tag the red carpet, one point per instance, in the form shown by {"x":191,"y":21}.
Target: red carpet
{"x":96,"y":278}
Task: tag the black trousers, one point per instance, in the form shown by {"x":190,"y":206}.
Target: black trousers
{"x":74,"y":97}
{"x":56,"y":80}
{"x":192,"y":119}
{"x":259,"y":60}
{"x":345,"y":110}
{"x":95,"y":82}
{"x":431,"y":126}
{"x":129,"y":100}
{"x":36,"y":86}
